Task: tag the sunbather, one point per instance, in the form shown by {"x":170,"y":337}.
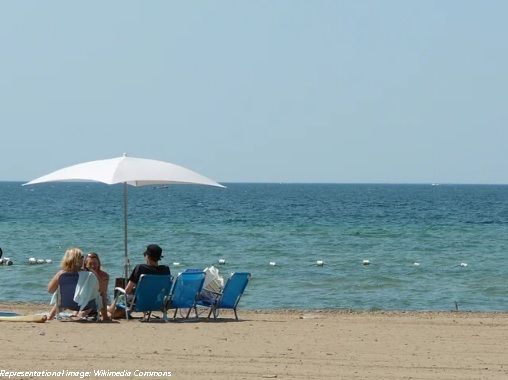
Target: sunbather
{"x":93,"y":264}
{"x":153,"y":254}
{"x":71,"y":263}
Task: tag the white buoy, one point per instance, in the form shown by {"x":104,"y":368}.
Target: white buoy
{"x":320,"y":263}
{"x":176,"y":264}
{"x":33,"y":261}
{"x":416,"y":264}
{"x":463,"y":265}
{"x":273,"y":263}
{"x":6,"y":261}
{"x":366,"y":262}
{"x":222,"y":261}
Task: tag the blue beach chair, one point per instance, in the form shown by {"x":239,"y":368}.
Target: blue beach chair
{"x":67,"y":283}
{"x":230,"y":296}
{"x":150,"y":295}
{"x":185,"y":292}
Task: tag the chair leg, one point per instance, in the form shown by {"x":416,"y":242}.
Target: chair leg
{"x":188,"y":313}
{"x":174,"y":315}
{"x":236,"y":316}
{"x":209,"y":313}
{"x":58,"y":311}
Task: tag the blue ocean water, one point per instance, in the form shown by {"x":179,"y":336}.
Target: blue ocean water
{"x":293,"y":225}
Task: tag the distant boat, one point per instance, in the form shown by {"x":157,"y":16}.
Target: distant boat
{"x":435,"y":184}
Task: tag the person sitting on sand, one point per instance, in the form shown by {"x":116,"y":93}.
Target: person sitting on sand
{"x":153,"y":254}
{"x":72,"y":262}
{"x":93,"y":263}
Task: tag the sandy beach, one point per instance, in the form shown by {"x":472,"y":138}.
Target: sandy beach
{"x":282,"y":345}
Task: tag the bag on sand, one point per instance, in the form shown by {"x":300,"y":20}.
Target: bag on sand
{"x":119,"y":313}
{"x":120,"y":306}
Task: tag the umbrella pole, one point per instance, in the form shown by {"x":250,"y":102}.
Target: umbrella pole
{"x":126,"y":263}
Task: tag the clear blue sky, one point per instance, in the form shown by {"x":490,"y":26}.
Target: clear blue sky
{"x":291,"y":91}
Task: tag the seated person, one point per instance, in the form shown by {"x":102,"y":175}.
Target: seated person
{"x":93,"y":263}
{"x":72,"y":262}
{"x":153,"y":254}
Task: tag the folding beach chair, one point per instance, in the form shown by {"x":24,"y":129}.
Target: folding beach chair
{"x":185,"y":292}
{"x":230,"y":296}
{"x":65,"y":294}
{"x":150,"y":295}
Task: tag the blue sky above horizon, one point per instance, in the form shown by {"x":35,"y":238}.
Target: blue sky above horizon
{"x":264,"y":91}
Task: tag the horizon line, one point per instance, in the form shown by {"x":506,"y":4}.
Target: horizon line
{"x":311,"y":183}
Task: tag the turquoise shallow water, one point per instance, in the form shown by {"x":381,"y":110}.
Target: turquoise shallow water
{"x":294,"y":225}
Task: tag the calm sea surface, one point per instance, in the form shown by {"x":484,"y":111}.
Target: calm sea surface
{"x":293,"y":225}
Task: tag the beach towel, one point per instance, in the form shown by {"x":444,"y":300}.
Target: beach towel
{"x":87,"y":290}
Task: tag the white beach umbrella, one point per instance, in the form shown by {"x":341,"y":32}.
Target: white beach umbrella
{"x":129,"y":171}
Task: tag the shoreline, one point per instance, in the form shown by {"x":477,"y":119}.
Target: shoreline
{"x":289,"y":344}
{"x":39,"y":307}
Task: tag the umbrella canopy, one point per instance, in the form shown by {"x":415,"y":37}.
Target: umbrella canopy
{"x":129,"y":171}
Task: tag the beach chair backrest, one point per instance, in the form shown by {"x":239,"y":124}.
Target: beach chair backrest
{"x":233,"y":290}
{"x":186,"y":289}
{"x":151,"y":292}
{"x":193,"y":270}
{"x":67,"y":286}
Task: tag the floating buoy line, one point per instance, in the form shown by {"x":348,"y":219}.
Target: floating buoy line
{"x":35,"y":261}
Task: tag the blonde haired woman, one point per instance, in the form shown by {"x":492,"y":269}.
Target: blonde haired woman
{"x":72,"y":262}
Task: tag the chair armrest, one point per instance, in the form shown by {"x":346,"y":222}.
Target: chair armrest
{"x":118,"y":293}
{"x":121,"y":290}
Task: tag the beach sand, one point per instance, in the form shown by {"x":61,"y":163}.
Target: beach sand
{"x":282,"y":345}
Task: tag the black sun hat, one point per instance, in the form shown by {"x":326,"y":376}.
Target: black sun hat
{"x":154,"y":251}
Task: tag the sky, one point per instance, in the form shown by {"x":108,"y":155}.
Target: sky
{"x":259,"y":91}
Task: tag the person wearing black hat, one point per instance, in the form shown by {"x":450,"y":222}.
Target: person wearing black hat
{"x":153,"y":254}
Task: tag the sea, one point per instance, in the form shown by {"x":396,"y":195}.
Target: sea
{"x":387,"y":247}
